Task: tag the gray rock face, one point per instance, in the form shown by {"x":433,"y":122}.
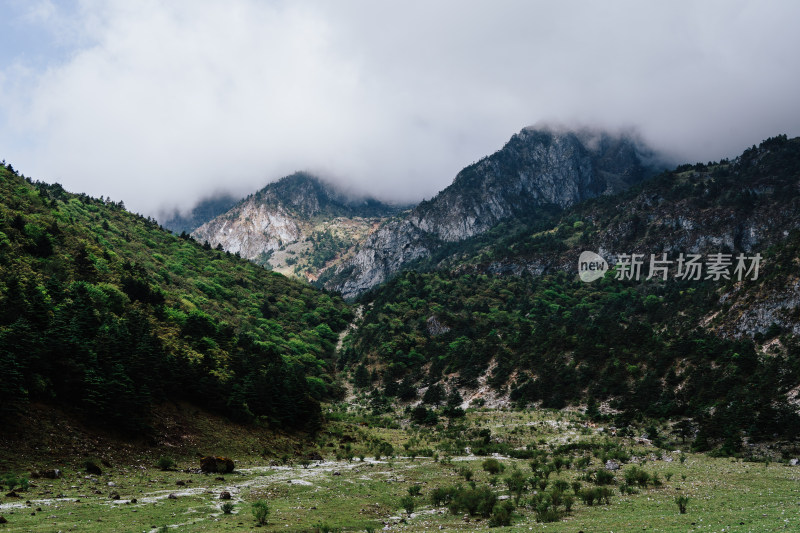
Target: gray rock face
{"x":535,"y":168}
{"x":285,"y":214}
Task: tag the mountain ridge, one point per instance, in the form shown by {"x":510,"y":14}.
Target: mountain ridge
{"x":297,"y":225}
{"x":536,"y":168}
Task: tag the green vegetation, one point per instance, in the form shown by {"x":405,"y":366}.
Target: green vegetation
{"x":104,"y":311}
{"x":260,"y":510}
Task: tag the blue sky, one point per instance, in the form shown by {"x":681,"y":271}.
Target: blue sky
{"x":159,"y":103}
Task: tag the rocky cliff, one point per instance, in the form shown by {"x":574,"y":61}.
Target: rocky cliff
{"x":298,"y":225}
{"x":536,"y":168}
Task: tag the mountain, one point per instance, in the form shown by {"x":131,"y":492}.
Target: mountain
{"x":201,"y":213}
{"x":105,"y":313}
{"x":536,"y":172}
{"x":298,"y":225}
{"x":506,"y":320}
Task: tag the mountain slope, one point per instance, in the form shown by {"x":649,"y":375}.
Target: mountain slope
{"x":297,"y":225}
{"x":508,"y":309}
{"x":104,"y":312}
{"x":535,"y":170}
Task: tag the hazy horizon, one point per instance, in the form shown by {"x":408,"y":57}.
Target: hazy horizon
{"x":162,"y":104}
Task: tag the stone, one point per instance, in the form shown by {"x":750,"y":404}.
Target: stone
{"x":114,"y":495}
{"x":224,"y":495}
{"x":172,"y":497}
{"x":216,"y":464}
{"x":92,"y":468}
{"x":794,"y":462}
{"x":612,"y":465}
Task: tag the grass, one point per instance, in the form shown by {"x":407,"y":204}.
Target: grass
{"x":723,"y":493}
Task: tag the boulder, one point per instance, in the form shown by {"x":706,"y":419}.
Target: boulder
{"x":172,"y":497}
{"x":92,"y":468}
{"x":114,"y":495}
{"x":224,"y":495}
{"x":53,"y":473}
{"x":211,"y":464}
{"x":3,"y":520}
{"x":794,"y":462}
{"x":612,"y":465}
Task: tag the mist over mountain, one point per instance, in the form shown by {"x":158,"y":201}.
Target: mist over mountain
{"x":206,"y":209}
{"x":157,"y":105}
{"x":538,"y":170}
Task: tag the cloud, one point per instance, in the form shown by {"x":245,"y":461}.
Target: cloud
{"x":161,"y":103}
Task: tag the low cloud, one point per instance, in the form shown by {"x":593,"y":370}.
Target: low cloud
{"x":162,"y":103}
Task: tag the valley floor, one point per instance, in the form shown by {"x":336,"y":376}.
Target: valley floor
{"x":351,"y":489}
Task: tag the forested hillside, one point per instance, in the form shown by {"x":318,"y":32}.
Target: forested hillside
{"x":104,"y":312}
{"x":720,"y":355}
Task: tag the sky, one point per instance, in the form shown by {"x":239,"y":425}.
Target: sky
{"x":162,"y":103}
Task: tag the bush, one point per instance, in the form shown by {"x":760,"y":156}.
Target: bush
{"x":501,"y":514}
{"x":227,"y":507}
{"x":516,"y":484}
{"x":442,"y":496}
{"x":637,"y":476}
{"x":260,"y":511}
{"x":544,"y":508}
{"x":493,"y":466}
{"x":603,"y":477}
{"x":407,"y":503}
{"x":569,"y":501}
{"x":596,"y":494}
{"x":165,"y":463}
{"x":414,"y":490}
{"x":473,"y":501}
{"x":681,"y":501}
{"x":466,"y":472}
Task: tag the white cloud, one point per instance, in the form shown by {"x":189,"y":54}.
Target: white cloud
{"x":163,"y":102}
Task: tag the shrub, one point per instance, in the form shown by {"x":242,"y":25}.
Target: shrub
{"x":501,"y":514}
{"x":569,"y":501}
{"x":165,"y":463}
{"x":544,"y":509}
{"x":407,"y":503}
{"x":493,"y":466}
{"x":473,"y":501}
{"x":603,"y":477}
{"x":637,"y":476}
{"x":465,"y":472}
{"x":414,"y":490}
{"x":681,"y":501}
{"x":442,"y":496}
{"x":260,"y":511}
{"x":561,"y":485}
{"x":227,"y":507}
{"x":516,"y":484}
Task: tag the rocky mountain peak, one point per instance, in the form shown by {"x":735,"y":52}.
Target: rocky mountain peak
{"x":537,"y":168}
